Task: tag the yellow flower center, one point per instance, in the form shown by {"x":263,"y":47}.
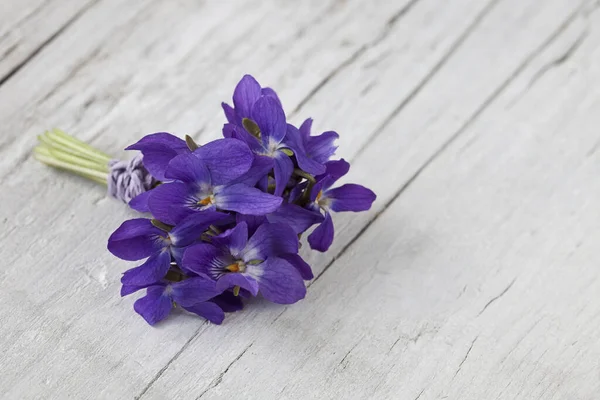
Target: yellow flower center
{"x":206,"y":201}
{"x":238,"y":266}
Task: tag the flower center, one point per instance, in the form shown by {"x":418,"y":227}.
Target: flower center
{"x":238,"y":266}
{"x":271,"y":149}
{"x":206,"y":200}
{"x":322,"y":202}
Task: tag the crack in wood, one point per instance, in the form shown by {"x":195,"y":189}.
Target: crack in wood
{"x":395,"y":343}
{"x":420,"y":394}
{"x":175,"y":357}
{"x":283,"y":389}
{"x":316,"y":21}
{"x":464,"y":289}
{"x":47,"y":42}
{"x":10,"y":50}
{"x":414,"y":339}
{"x":375,"y":62}
{"x":465,"y":358}
{"x":594,"y":149}
{"x":341,"y":363}
{"x":356,"y":55}
{"x":560,"y":60}
{"x":497,"y":297}
{"x":279,"y":315}
{"x":219,"y":378}
{"x":26,"y":17}
{"x":536,"y":323}
{"x":368,"y":88}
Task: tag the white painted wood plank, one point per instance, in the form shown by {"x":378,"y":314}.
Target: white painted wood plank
{"x":500,"y":268}
{"x":27,"y":26}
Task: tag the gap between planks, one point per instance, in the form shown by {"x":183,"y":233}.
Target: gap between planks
{"x":61,"y":30}
{"x":389,"y":26}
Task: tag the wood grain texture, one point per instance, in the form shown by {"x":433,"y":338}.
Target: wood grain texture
{"x":473,"y":277}
{"x":28,"y":26}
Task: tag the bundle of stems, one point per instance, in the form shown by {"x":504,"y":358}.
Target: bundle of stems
{"x":60,"y":150}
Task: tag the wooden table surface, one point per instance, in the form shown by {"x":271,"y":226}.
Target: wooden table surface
{"x":474,"y":276}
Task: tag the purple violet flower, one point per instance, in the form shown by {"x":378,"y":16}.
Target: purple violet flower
{"x":195,"y":189}
{"x":193,"y":294}
{"x":228,"y":215}
{"x":297,"y":218}
{"x":137,"y":239}
{"x":158,"y":149}
{"x":318,"y":148}
{"x":348,"y":197}
{"x":226,"y":159}
{"x":246,"y":92}
{"x":265,"y":262}
{"x":259,"y":120}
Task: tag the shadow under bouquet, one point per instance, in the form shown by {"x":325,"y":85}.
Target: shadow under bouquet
{"x":223,"y":220}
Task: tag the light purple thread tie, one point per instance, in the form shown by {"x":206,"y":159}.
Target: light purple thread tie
{"x":127,"y":179}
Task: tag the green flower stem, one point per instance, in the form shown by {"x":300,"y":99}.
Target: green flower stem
{"x":43,"y":155}
{"x":305,"y":175}
{"x":63,"y":151}
{"x":305,"y":198}
{"x":59,"y":137}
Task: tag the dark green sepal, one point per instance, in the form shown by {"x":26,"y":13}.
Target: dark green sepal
{"x":161,"y":226}
{"x":251,"y":127}
{"x":191,"y":144}
{"x":305,"y":175}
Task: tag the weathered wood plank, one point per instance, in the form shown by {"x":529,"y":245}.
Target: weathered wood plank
{"x":500,"y":274}
{"x":27,"y":26}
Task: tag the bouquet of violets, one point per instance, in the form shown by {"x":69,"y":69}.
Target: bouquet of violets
{"x":226,"y":216}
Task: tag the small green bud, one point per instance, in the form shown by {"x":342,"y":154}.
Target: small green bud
{"x":175,"y":275}
{"x":251,"y":127}
{"x":287,"y":152}
{"x":190,"y":143}
{"x":161,"y":226}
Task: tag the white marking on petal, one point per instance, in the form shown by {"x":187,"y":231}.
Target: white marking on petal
{"x":255,"y":271}
{"x":168,"y":290}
